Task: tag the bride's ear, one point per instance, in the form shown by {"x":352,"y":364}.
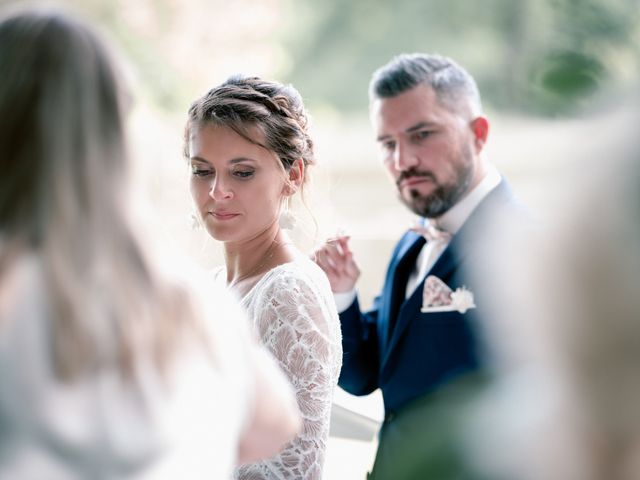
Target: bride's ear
{"x":295,"y":177}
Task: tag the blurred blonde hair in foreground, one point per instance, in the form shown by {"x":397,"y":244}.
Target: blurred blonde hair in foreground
{"x":63,"y":193}
{"x":567,"y":341}
{"x":110,"y":366}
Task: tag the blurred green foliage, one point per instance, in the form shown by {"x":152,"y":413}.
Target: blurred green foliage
{"x":545,"y":57}
{"x":536,"y":56}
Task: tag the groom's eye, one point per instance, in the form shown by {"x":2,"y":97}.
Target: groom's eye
{"x":421,"y":135}
{"x":389,"y":146}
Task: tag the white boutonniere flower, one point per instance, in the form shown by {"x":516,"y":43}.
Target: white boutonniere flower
{"x":438,"y":297}
{"x":462,"y":299}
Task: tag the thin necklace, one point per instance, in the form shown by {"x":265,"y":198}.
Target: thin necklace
{"x":261,"y":263}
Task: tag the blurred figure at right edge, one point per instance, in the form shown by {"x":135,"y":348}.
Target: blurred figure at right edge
{"x":567,"y":341}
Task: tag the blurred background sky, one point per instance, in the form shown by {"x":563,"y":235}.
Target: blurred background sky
{"x":552,"y":74}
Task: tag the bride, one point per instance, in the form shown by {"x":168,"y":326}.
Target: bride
{"x":248,"y":148}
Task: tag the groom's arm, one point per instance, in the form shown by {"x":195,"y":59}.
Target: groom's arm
{"x":360,"y":357}
{"x":359,"y":374}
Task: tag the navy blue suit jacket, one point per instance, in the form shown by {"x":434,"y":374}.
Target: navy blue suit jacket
{"x":407,"y":353}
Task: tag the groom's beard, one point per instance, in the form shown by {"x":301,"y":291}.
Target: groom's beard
{"x":445,"y":196}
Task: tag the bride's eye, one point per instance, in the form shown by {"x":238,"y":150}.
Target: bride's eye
{"x":243,"y":173}
{"x":201,"y":172}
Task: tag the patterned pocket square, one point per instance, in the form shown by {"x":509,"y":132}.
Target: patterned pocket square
{"x":438,"y":297}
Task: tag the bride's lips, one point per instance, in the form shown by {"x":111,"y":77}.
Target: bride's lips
{"x":220,"y":215}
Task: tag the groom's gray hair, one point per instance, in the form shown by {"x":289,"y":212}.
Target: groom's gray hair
{"x":451,"y":83}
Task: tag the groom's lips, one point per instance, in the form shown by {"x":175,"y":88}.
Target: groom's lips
{"x":411,"y":181}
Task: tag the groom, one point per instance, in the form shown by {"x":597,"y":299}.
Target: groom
{"x":419,"y":343}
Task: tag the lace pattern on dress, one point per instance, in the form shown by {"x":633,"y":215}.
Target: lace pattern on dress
{"x":294,"y":314}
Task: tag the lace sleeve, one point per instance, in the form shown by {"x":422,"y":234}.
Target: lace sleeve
{"x":297,"y":321}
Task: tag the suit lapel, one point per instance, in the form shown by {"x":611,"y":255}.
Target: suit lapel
{"x":459,"y":248}
{"x":410,"y":308}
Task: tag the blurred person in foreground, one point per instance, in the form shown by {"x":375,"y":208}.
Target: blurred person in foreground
{"x":419,"y":342}
{"x":565,"y":403}
{"x":249,"y":151}
{"x":109,"y":366}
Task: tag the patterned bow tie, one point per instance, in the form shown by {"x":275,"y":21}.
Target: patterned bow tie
{"x":432,"y":233}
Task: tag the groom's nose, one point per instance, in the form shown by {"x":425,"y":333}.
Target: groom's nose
{"x":404,"y":158}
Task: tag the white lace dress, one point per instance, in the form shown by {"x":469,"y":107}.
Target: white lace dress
{"x":294,"y":314}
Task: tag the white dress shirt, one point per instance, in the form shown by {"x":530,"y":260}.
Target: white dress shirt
{"x":451,"y":221}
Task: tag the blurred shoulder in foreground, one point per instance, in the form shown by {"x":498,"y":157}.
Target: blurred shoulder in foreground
{"x":111,"y":364}
{"x":566,"y":343}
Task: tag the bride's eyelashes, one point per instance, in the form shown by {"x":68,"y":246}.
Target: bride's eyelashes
{"x":244,"y":174}
{"x":240,"y":174}
{"x":198,"y":172}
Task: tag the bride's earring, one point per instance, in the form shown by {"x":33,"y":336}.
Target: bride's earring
{"x":287,"y":220}
{"x":194,"y":221}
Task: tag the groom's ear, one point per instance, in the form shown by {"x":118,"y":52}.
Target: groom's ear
{"x":480,"y":129}
{"x":295,"y":177}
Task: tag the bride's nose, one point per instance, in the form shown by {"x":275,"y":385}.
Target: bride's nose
{"x":219,"y":190}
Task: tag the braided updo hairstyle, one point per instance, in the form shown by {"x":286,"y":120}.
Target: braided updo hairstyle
{"x":246,"y":103}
